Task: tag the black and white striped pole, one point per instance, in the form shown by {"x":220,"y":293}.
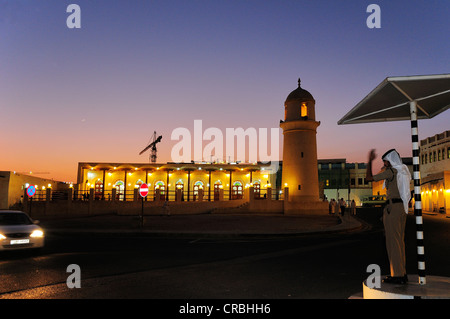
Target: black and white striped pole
{"x":417,"y":194}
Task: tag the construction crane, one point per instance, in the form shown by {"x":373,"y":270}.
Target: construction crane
{"x":152,"y":145}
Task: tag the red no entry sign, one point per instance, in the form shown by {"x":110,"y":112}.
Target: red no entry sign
{"x":31,"y":190}
{"x":143,"y":190}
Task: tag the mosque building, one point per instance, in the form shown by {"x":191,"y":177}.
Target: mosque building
{"x":210,"y":181}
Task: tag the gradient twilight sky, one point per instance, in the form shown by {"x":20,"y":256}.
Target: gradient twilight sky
{"x":97,"y":93}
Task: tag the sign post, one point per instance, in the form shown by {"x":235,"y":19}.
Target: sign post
{"x":143,"y":191}
{"x":31,"y":191}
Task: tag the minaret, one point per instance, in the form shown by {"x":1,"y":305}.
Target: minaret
{"x":300,"y":171}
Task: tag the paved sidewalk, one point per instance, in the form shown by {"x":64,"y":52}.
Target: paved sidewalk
{"x":205,"y":224}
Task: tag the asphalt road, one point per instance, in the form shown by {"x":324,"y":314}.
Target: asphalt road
{"x":130,"y":266}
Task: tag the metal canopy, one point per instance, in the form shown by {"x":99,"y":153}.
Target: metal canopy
{"x":390,"y":100}
{"x":406,"y":98}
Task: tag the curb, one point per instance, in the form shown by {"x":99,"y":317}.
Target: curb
{"x":345,"y":226}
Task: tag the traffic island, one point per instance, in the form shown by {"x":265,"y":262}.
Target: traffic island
{"x":435,"y":288}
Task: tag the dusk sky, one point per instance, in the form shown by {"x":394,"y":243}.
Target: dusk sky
{"x":97,"y":93}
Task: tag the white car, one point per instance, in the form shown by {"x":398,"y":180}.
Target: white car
{"x":19,"y":231}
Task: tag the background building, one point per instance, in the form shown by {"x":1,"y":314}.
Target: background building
{"x":435,"y":172}
{"x":339,"y":179}
{"x":211,"y":181}
{"x":13,"y":185}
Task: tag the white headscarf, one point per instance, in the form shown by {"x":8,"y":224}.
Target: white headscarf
{"x":403,"y":176}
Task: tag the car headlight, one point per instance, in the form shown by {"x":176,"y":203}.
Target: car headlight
{"x":2,"y":237}
{"x":37,"y":233}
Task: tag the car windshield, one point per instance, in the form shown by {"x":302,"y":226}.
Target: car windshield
{"x":14,"y":219}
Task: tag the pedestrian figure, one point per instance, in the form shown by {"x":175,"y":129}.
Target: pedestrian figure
{"x":353,"y":207}
{"x":331,"y":206}
{"x":396,"y":178}
{"x":342,"y":205}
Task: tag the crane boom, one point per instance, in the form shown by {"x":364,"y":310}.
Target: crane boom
{"x":152,"y":145}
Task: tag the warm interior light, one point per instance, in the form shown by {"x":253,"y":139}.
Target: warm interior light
{"x":304,"y":110}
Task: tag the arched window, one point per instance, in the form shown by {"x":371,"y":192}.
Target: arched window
{"x":304,"y":110}
{"x":139,"y":183}
{"x":98,"y":189}
{"x":217,"y":187}
{"x":120,"y":188}
{"x":197,"y":186}
{"x":237,"y":190}
{"x":179,"y":184}
{"x":257,"y":189}
{"x":162,"y":189}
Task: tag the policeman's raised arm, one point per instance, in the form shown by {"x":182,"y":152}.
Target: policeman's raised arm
{"x":372,"y":156}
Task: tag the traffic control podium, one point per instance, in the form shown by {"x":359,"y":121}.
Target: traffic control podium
{"x":435,"y":288}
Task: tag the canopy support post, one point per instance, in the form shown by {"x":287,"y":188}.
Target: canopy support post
{"x":417,"y":194}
